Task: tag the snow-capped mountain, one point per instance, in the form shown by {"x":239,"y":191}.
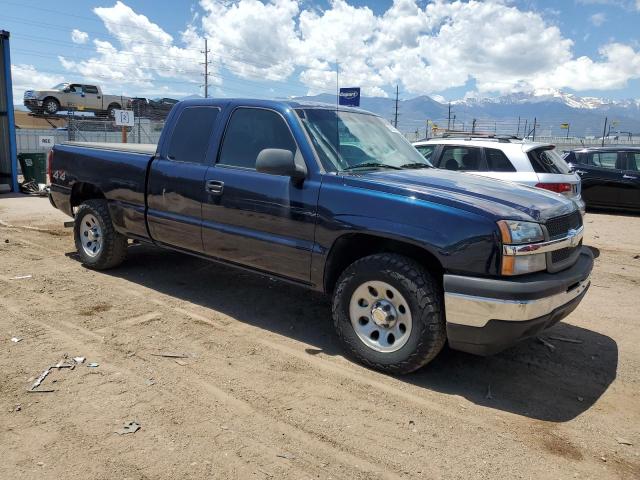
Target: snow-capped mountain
{"x":547,"y":95}
{"x":549,"y":108}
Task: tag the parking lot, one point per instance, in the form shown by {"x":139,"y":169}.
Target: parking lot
{"x":263,"y":390}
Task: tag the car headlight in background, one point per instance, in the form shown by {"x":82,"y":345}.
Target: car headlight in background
{"x":514,"y":232}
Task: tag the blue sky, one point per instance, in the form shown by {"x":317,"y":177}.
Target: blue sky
{"x":288,"y":48}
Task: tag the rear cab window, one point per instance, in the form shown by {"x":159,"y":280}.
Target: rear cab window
{"x":548,"y":160}
{"x":191,"y":135}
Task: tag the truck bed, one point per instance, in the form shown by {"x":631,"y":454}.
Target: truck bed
{"x":144,"y":148}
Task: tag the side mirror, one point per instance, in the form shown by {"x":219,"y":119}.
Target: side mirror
{"x":277,"y":161}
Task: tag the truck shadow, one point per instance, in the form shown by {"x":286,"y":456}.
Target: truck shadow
{"x":554,"y":383}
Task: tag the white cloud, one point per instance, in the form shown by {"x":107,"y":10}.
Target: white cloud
{"x":598,"y":19}
{"x":27,"y":77}
{"x":78,"y":36}
{"x":425,"y":48}
{"x":141,"y":53}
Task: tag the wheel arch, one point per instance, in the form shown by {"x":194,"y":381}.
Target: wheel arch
{"x":83,"y":191}
{"x":350,"y":247}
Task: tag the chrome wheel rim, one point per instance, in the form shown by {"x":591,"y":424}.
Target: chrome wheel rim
{"x":51,"y":106}
{"x":91,"y":235}
{"x":380,"y":316}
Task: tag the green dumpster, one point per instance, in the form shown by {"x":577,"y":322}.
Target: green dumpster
{"x":34,"y":166}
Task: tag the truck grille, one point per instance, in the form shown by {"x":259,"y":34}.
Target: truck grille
{"x":558,"y":227}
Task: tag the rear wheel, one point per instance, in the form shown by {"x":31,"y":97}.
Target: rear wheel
{"x":111,"y":114}
{"x":387,"y":310}
{"x":98,"y":244}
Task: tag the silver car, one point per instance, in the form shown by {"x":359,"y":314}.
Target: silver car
{"x":505,"y":158}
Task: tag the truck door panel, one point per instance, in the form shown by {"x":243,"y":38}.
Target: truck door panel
{"x":259,"y":220}
{"x":175,"y":188}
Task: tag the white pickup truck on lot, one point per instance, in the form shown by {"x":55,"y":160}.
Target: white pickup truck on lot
{"x":76,"y":96}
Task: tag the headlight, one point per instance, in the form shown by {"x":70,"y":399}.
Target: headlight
{"x":514,"y":232}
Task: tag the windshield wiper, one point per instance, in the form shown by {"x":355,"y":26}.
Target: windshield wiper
{"x":371,"y":164}
{"x":416,"y":165}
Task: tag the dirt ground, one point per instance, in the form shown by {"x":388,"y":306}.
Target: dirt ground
{"x":264,"y":391}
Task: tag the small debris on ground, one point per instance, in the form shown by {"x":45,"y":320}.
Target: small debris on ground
{"x":129,"y":427}
{"x":550,"y":346}
{"x":604,"y":459}
{"x":21,"y":277}
{"x":170,"y":355}
{"x":150,"y":381}
{"x":580,"y":399}
{"x":79,"y":359}
{"x":16,"y":339}
{"x":488,"y":396}
{"x":17,"y":408}
{"x":286,"y":455}
{"x":40,"y":379}
{"x":623,"y":441}
{"x":93,"y":365}
{"x":565,"y":339}
{"x":182,"y":363}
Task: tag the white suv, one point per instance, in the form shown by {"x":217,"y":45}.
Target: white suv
{"x":505,"y":158}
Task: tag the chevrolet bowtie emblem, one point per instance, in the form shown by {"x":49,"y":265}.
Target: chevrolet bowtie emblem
{"x":572,"y":235}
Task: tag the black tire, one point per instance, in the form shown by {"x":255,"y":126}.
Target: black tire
{"x":421,"y":291}
{"x":114,"y":245}
{"x":50,"y":106}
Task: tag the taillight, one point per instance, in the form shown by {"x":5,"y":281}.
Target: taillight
{"x":49,"y":164}
{"x":555,"y":187}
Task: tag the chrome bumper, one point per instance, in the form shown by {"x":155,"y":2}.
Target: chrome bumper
{"x":475,"y":311}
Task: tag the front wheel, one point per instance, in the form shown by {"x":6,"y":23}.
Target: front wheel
{"x":387,"y":311}
{"x":98,"y":244}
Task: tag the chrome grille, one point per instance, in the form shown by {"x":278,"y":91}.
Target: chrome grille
{"x":558,"y":227}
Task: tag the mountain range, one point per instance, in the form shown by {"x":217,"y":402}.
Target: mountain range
{"x":510,"y":113}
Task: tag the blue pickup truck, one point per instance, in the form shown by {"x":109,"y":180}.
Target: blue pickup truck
{"x":338,"y":201}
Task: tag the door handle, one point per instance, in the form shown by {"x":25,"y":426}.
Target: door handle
{"x":580,"y":172}
{"x":214,"y":187}
{"x":629,"y":177}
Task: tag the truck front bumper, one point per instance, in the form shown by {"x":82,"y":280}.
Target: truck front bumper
{"x":33,"y":104}
{"x":485,"y":316}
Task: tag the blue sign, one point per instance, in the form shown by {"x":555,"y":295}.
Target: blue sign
{"x":350,"y":97}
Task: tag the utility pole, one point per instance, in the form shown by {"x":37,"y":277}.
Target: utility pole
{"x":473,"y":126}
{"x":453,"y":125}
{"x":395,"y":117}
{"x":206,"y":64}
{"x":518,"y":132}
{"x":604,"y":130}
{"x":525,"y":132}
{"x":449,"y":118}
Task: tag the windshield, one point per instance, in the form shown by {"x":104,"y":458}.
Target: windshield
{"x":365,"y":141}
{"x":60,"y":86}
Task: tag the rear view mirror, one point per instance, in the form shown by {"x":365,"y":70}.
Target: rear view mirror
{"x":277,"y":161}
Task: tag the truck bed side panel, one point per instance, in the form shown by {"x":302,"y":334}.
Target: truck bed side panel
{"x":120,"y":176}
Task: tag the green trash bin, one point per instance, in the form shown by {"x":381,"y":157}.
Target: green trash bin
{"x":33,"y":166}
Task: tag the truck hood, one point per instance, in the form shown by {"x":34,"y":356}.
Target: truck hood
{"x":483,"y":196}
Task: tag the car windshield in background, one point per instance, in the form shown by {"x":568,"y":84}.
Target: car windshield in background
{"x":351,"y":140}
{"x":548,"y":160}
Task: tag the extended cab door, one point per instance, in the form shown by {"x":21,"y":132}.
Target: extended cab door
{"x":255,"y":219}
{"x":175,"y":186}
{"x":92,"y":97}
